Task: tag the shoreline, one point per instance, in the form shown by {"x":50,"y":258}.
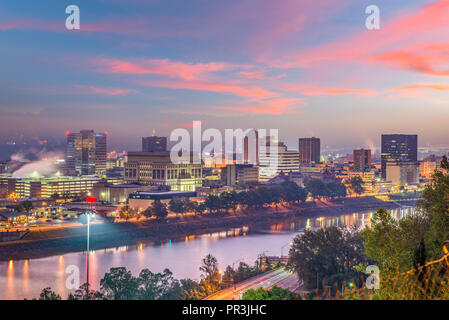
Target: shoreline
{"x":40,"y":244}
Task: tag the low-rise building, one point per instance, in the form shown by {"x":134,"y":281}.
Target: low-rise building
{"x":118,"y":193}
{"x":402,"y":173}
{"x":156,"y":168}
{"x":143,"y":199}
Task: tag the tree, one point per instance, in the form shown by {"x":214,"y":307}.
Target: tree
{"x":27,"y":205}
{"x":316,"y":255}
{"x":292,"y":193}
{"x":126,"y":213}
{"x":147,"y":212}
{"x":190,"y":290}
{"x":336,"y":189}
{"x":176,"y":205}
{"x":356,"y":184}
{"x":275,"y":293}
{"x":159,"y":209}
{"x":210,"y":278}
{"x":434,"y":203}
{"x":213,"y":203}
{"x":391,"y":243}
{"x":48,"y":294}
{"x":119,"y":284}
{"x":200,"y":208}
{"x":157,"y":286}
{"x":80,"y":294}
{"x":317,"y":188}
{"x":229,"y":201}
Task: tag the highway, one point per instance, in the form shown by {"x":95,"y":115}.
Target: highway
{"x":279,"y":277}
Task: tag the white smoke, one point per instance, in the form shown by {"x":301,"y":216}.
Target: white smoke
{"x":46,"y":165}
{"x":370,"y":144}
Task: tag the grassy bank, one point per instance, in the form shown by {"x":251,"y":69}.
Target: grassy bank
{"x":42,"y":243}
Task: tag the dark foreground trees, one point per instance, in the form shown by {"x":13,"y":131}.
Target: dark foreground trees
{"x":317,"y":255}
{"x":120,"y":284}
{"x":275,"y":293}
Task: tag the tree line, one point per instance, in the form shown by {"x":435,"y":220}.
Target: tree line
{"x":335,"y":255}
{"x":120,"y":284}
{"x":287,"y":193}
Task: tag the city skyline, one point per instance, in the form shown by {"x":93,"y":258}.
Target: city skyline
{"x":309,"y":69}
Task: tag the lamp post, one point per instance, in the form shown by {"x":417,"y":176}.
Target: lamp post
{"x":88,"y":213}
{"x":282,"y":248}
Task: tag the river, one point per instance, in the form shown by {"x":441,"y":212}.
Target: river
{"x":26,"y":278}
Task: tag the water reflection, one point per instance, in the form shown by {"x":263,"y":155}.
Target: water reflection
{"x":25,"y":279}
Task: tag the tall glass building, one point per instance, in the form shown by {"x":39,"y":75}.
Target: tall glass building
{"x":398,"y":148}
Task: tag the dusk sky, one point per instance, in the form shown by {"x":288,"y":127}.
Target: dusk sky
{"x":308,"y":68}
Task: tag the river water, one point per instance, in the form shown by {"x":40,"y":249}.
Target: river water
{"x":26,"y":278}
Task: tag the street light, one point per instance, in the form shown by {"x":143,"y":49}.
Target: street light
{"x":88,"y":214}
{"x":282,"y":248}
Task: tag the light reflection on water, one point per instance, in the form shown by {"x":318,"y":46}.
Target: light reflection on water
{"x":26,"y":278}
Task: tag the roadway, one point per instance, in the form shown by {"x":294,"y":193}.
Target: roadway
{"x":279,"y":277}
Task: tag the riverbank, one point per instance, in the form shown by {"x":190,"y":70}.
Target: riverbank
{"x":39,"y":244}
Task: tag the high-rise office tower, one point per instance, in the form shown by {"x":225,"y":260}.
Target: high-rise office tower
{"x":362,"y":159}
{"x":154,"y":144}
{"x":398,"y":148}
{"x":86,"y":153}
{"x":251,"y":148}
{"x":282,"y":160}
{"x":309,"y":150}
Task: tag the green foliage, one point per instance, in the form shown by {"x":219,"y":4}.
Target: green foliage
{"x":159,"y":209}
{"x":391,"y":243}
{"x":336,"y":190}
{"x":126,"y":212}
{"x":27,"y":205}
{"x":48,"y":294}
{"x":210,"y":277}
{"x":158,"y":286}
{"x":213,"y":203}
{"x":356,"y":185}
{"x":119,"y":284}
{"x":275,"y":293}
{"x":316,"y":255}
{"x":177,"y":206}
{"x":317,"y":188}
{"x":434,"y":203}
{"x":80,"y":294}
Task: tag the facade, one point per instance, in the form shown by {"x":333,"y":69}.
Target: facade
{"x":239,"y":174}
{"x":398,"y":148}
{"x":309,"y":150}
{"x":251,"y":148}
{"x":362,"y":160}
{"x":287,"y":161}
{"x":117,"y":193}
{"x":86,"y":153}
{"x":154,"y":144}
{"x":143,"y":200}
{"x":43,"y":188}
{"x":156,"y":168}
{"x":204,"y":192}
{"x":402,"y":173}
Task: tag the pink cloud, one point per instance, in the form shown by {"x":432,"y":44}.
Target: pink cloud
{"x":164,"y":67}
{"x":320,"y":91}
{"x":222,"y":87}
{"x":276,"y":106}
{"x":411,"y":32}
{"x":106,"y":91}
{"x":416,"y":90}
